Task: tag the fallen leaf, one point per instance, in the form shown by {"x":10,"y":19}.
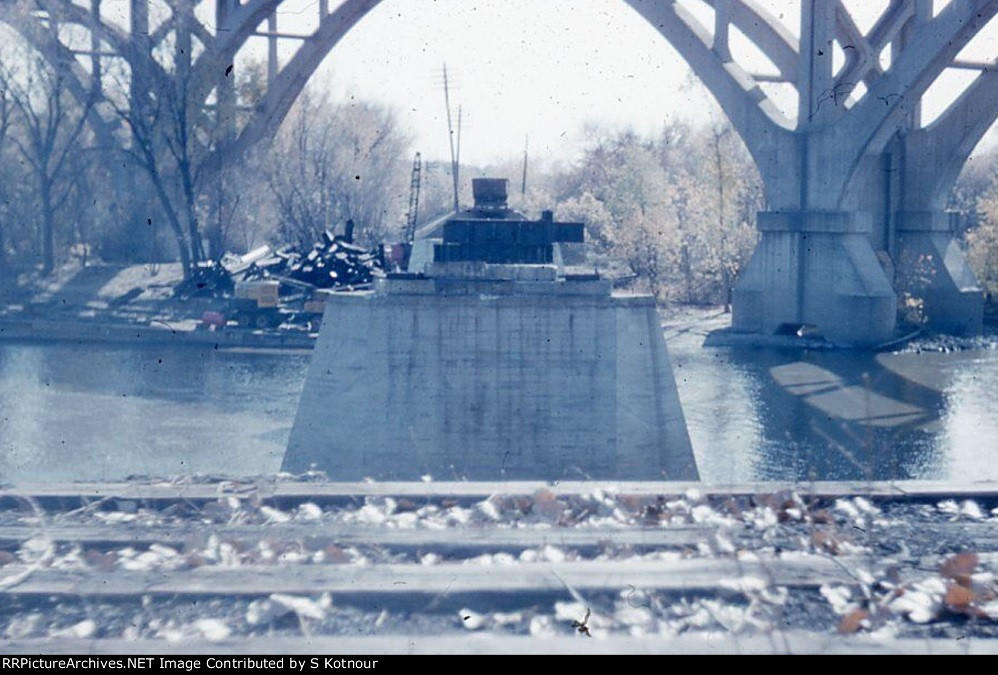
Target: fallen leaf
{"x":958,"y":597}
{"x":853,"y":621}
{"x":960,"y":565}
{"x":336,"y":555}
{"x":105,"y":562}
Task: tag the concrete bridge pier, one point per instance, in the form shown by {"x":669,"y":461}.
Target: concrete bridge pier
{"x":816,"y":268}
{"x":933,"y":273}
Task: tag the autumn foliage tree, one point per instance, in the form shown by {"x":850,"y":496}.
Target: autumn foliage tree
{"x":675,"y":211}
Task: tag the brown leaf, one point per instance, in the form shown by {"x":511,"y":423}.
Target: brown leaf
{"x":632,"y":503}
{"x":853,"y":621}
{"x":960,"y":565}
{"x":546,"y":506}
{"x":958,"y":597}
{"x":336,"y":555}
{"x":822,"y":516}
{"x":103,"y":561}
{"x":404,"y":505}
{"x":825,"y":540}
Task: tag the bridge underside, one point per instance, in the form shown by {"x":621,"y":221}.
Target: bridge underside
{"x":856,"y":185}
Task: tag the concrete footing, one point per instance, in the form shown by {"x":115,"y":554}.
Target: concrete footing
{"x":485,"y":380}
{"x":815,"y":269}
{"x":933,"y":275}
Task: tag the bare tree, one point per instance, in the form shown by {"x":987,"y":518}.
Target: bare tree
{"x":51,"y":124}
{"x":5,"y":122}
{"x":172,"y":138}
{"x":337,"y":162}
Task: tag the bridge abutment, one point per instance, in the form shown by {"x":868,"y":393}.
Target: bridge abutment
{"x":816,"y":268}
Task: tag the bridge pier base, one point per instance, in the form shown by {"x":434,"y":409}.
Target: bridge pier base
{"x":816,"y":268}
{"x":933,"y":273}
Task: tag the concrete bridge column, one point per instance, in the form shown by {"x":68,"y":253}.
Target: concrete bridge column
{"x":816,"y":268}
{"x":932,"y":272}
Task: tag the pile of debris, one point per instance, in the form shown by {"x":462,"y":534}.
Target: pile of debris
{"x":333,"y":262}
{"x":207,"y":279}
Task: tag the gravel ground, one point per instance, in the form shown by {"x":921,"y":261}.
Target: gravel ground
{"x":948,"y":543}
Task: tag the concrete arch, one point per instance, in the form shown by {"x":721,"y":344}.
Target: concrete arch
{"x":879,"y":116}
{"x":938,"y":153}
{"x":61,"y":59}
{"x":753,"y":115}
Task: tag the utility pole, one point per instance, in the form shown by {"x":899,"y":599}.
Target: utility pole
{"x":453,"y":152}
{"x":526,"y":150}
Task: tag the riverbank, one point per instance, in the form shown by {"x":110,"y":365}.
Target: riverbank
{"x":126,"y":305}
{"x":134,"y":304}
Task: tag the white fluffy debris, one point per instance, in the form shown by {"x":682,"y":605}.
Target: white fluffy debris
{"x":744,"y":584}
{"x":23,"y":626}
{"x":706,"y":613}
{"x":274,"y":515}
{"x":762,"y":518}
{"x":371,"y":515}
{"x":541,"y":626}
{"x":264,"y":612}
{"x":634,"y":616}
{"x":858,"y":510}
{"x":507,"y":618}
{"x":971,"y":510}
{"x":839,"y":597}
{"x":473,"y":620}
{"x":489,"y":509}
{"x":569,"y":611}
{"x":866,"y":506}
{"x":723,"y":544}
{"x":82,"y":630}
{"x":490,"y":559}
{"x":552,"y":554}
{"x":113,"y":517}
{"x":922,"y":602}
{"x":459,"y":515}
{"x":309,"y":511}
{"x":213,"y":630}
{"x":303,"y":607}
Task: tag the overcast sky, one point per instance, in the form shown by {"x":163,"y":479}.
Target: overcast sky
{"x":543,"y":68}
{"x":540,"y":67}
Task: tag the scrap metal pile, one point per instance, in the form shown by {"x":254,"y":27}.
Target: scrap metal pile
{"x":333,"y":262}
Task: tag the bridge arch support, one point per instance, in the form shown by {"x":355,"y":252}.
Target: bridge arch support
{"x":855,"y":184}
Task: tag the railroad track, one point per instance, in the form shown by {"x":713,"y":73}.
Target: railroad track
{"x":477,"y":567}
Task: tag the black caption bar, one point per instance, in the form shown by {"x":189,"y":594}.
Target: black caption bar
{"x":189,"y":664}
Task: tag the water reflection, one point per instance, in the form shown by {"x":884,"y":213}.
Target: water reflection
{"x":772,"y":414}
{"x":98,"y":412}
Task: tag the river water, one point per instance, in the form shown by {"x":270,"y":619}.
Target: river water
{"x":103,"y":412}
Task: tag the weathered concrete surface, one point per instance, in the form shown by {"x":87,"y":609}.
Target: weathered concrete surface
{"x":491,"y":380}
{"x":933,"y":269}
{"x":815,"y":268}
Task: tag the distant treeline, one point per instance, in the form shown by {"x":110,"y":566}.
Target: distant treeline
{"x":672,"y":214}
